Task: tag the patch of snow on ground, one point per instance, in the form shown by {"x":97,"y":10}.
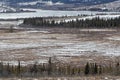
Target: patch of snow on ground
{"x":10,"y":46}
{"x":24,"y":63}
{"x":116,"y":38}
{"x":97,"y":30}
{"x":77,"y":49}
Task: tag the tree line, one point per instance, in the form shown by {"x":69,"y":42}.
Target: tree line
{"x":57,"y":69}
{"x":78,"y":23}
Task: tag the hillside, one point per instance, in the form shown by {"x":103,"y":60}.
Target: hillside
{"x":112,"y":6}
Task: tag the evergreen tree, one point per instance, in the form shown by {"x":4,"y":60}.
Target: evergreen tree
{"x":49,"y":66}
{"x":8,"y":69}
{"x":18,"y":68}
{"x":100,"y":69}
{"x":87,"y":69}
{"x":117,"y":68}
{"x":95,"y":69}
{"x":1,"y":68}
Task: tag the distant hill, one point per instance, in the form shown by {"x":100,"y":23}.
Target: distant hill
{"x":90,"y":2}
{"x":65,"y":1}
{"x":112,"y":6}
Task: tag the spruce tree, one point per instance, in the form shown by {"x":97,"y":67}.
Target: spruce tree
{"x":49,"y":66}
{"x":18,"y":68}
{"x":95,"y":69}
{"x":1,"y":68}
{"x":8,"y":69}
{"x":87,"y":69}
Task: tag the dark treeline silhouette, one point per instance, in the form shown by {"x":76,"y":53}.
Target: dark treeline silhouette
{"x":57,"y":69}
{"x":87,"y":23}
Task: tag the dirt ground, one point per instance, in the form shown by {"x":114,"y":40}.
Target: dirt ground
{"x":76,"y":46}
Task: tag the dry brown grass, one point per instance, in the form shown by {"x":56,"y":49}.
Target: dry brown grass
{"x":69,"y":78}
{"x":48,"y":42}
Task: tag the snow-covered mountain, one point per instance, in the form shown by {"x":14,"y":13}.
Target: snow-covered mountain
{"x":5,"y":8}
{"x":40,"y":2}
{"x":64,"y":1}
{"x":55,"y":4}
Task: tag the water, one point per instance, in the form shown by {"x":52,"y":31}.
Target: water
{"x":46,"y":13}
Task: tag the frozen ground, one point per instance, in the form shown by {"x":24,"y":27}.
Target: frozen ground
{"x":44,"y":13}
{"x":15,"y":22}
{"x":67,"y":45}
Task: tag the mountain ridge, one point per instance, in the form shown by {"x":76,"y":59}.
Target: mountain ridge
{"x":59,"y":4}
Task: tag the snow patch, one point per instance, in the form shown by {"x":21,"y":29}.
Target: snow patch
{"x":116,"y":38}
{"x":98,"y":30}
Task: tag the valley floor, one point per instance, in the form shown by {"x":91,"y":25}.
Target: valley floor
{"x":74,"y":46}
